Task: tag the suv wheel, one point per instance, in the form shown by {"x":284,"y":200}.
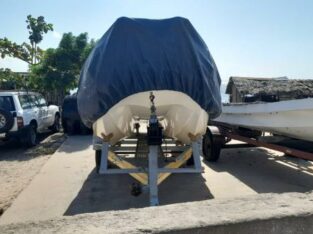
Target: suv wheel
{"x":84,"y":130}
{"x":70,"y":127}
{"x":6,"y":121}
{"x":56,"y":125}
{"x":30,"y":136}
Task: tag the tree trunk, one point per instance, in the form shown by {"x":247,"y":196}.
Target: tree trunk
{"x":32,"y":53}
{"x":34,"y":62}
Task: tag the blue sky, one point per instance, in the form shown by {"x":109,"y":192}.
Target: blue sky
{"x":267,"y":38}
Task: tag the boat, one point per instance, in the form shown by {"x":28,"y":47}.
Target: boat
{"x":140,"y":58}
{"x":290,"y":118}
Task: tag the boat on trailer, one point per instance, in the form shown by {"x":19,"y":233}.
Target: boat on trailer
{"x":153,"y":73}
{"x":292,"y":118}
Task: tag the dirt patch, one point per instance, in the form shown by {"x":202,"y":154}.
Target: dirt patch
{"x":18,"y":166}
{"x":48,"y":146}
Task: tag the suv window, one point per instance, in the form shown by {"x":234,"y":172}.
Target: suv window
{"x":6,"y":103}
{"x":41,"y":100}
{"x":33,"y":100}
{"x":25,"y":101}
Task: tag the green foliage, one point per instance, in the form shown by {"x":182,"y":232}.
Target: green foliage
{"x":36,"y":28}
{"x":59,"y":69}
{"x":53,"y":72}
{"x":11,"y":49}
{"x":29,"y":53}
{"x":10,"y":80}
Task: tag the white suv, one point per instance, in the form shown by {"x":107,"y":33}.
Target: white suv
{"x":23,"y":114}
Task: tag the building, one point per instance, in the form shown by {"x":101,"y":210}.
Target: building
{"x":251,"y":89}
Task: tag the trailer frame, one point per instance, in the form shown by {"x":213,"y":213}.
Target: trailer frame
{"x":152,"y":176}
{"x":221,"y":133}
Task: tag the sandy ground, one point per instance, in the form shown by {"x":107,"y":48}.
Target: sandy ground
{"x":18,"y":165}
{"x":57,"y":183}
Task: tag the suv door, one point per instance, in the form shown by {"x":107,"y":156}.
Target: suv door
{"x":30,"y":109}
{"x":37,"y":111}
{"x":44,"y":113}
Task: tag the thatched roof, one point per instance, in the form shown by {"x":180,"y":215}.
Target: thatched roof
{"x":271,"y":86}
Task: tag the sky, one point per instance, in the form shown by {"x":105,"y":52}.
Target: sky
{"x":264,"y":38}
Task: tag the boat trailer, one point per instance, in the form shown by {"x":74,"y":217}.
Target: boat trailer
{"x":141,"y":154}
{"x":153,"y":148}
{"x":218,"y":134}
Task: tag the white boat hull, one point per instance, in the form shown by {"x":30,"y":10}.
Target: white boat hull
{"x":292,"y":118}
{"x":180,"y":116}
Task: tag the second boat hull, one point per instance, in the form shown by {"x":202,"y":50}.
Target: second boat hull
{"x":292,"y":118}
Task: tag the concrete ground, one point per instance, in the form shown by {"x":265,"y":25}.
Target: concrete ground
{"x":68,"y":185}
{"x":258,"y":214}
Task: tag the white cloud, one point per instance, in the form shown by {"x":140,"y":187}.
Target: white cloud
{"x":56,"y":35}
{"x":224,"y":81}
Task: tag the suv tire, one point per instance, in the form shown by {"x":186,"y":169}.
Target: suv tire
{"x":56,"y":125}
{"x":70,"y":127}
{"x":84,"y":130}
{"x":30,"y":138}
{"x":6,"y":121}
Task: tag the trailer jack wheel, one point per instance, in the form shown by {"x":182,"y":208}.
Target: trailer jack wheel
{"x":136,"y":189}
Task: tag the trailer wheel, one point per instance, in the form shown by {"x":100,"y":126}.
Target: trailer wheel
{"x":211,"y":146}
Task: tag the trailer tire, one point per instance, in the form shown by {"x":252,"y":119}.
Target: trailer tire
{"x":211,"y":146}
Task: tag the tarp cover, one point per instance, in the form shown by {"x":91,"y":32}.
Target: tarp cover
{"x":137,"y":55}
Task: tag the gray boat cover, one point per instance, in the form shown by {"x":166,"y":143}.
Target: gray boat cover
{"x":137,"y":55}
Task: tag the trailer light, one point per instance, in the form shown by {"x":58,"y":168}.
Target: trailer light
{"x":20,"y":122}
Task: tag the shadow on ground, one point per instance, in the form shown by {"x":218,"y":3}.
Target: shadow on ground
{"x":265,"y":172}
{"x":84,"y":141}
{"x":257,"y":168}
{"x":48,"y":143}
{"x":112,"y":192}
